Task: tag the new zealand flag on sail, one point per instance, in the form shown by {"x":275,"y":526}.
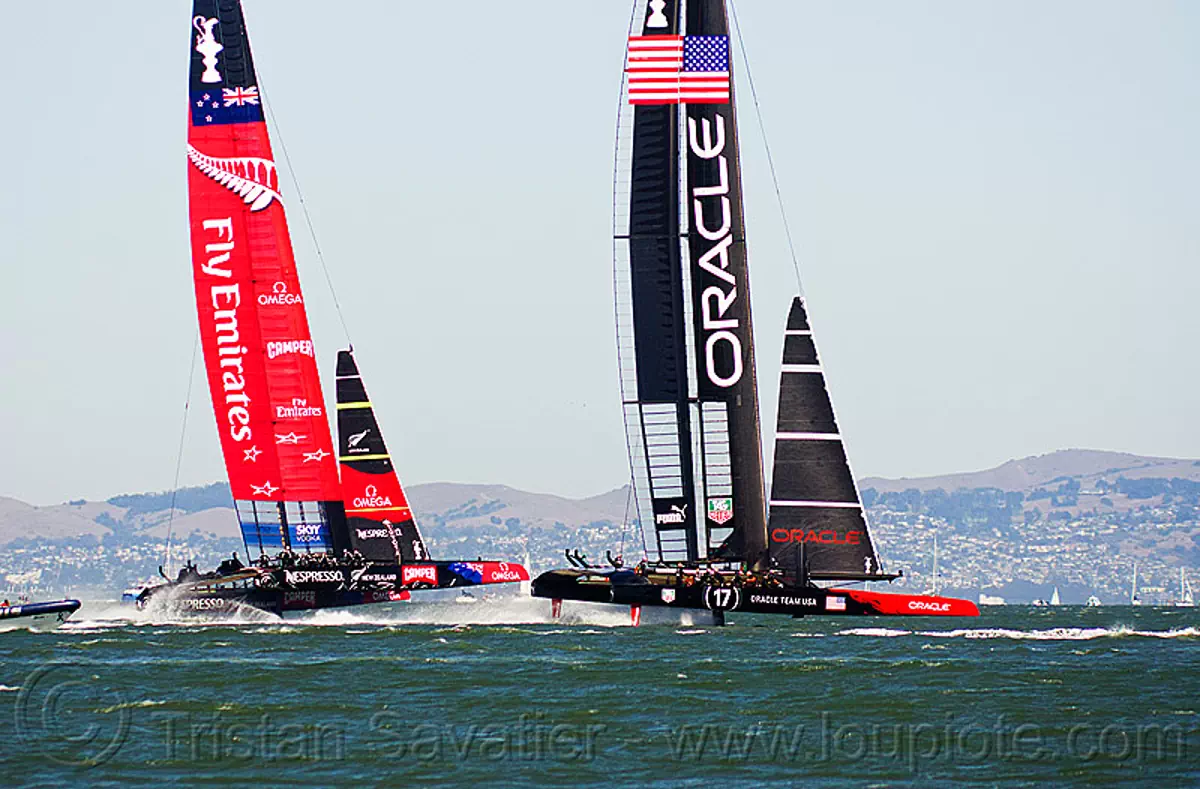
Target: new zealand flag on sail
{"x":217,"y":105}
{"x":223,"y":87}
{"x":467,"y":571}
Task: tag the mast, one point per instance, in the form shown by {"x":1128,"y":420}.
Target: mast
{"x":258,"y":350}
{"x":935,"y":565}
{"x":682,"y":290}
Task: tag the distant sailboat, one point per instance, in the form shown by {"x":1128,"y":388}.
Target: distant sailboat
{"x":1054,"y":598}
{"x":1186,"y":598}
{"x":933,"y":590}
{"x":1134,"y":597}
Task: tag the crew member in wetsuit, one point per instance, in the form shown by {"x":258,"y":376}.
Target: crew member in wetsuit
{"x":187,"y":572}
{"x":230,"y":565}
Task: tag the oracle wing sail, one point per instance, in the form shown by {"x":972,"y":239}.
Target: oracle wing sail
{"x":380,"y":523}
{"x":682,"y":290}
{"x":258,"y":351}
{"x":818,"y":527}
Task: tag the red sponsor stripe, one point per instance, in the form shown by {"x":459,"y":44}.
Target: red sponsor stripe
{"x":502,"y":572}
{"x":911,"y":605}
{"x":382,"y":512}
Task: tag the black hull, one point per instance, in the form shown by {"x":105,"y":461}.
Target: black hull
{"x":625,"y":587}
{"x":279,"y":591}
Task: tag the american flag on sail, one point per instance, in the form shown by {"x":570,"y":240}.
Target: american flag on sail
{"x":676,"y":69}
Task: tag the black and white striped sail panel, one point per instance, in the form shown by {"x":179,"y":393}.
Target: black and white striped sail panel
{"x":650,"y":301}
{"x":817,"y":521}
{"x":381,"y":525}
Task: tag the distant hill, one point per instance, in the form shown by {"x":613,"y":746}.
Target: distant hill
{"x":18,"y":520}
{"x":1026,"y":474}
{"x":1075,"y":519}
{"x":208,"y":509}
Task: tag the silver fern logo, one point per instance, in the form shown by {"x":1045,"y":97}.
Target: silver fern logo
{"x":254,"y":180}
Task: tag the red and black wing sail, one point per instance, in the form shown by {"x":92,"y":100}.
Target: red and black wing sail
{"x":380,"y":522}
{"x":258,"y":352}
{"x":817,"y":522}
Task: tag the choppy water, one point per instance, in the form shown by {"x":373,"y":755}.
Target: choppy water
{"x":1069,"y":695}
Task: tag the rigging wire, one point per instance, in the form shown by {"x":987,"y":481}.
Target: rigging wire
{"x":616,"y":307}
{"x":312,"y":232}
{"x":641,"y":528}
{"x":625,"y":521}
{"x":187,"y":402}
{"x":762,"y":127}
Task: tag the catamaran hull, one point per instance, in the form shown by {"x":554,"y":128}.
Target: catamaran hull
{"x":37,"y":616}
{"x":282,"y":592}
{"x":625,"y":588}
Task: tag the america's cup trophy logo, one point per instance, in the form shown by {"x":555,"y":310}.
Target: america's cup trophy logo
{"x":657,"y":17}
{"x":208,"y":46}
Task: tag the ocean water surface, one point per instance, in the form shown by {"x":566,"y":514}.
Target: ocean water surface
{"x":495,"y":694}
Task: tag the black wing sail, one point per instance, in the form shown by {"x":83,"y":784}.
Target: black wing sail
{"x":381,"y":524}
{"x":817,"y":525}
{"x":714,"y":237}
{"x":651,"y":320}
{"x":683,"y":302}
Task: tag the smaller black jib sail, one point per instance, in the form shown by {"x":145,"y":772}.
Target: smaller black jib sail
{"x":381,"y":524}
{"x":817,"y":527}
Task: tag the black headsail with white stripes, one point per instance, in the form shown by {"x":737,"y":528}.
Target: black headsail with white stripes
{"x":817,"y":525}
{"x":381,"y":524}
{"x":683,"y":300}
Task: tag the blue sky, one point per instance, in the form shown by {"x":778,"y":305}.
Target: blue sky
{"x":995,"y":208}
